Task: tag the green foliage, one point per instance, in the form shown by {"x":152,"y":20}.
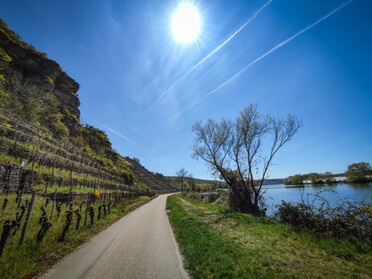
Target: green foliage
{"x":16,"y":39}
{"x":59,"y":129}
{"x":8,"y":32}
{"x":4,"y":56}
{"x":49,"y":79}
{"x":315,"y":178}
{"x":97,"y":140}
{"x":128,"y":176}
{"x":34,"y":106}
{"x":294,"y":180}
{"x":78,"y":142}
{"x":210,"y":197}
{"x":359,"y":172}
{"x":204,"y":187}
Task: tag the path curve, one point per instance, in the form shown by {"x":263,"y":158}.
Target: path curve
{"x":140,"y":245}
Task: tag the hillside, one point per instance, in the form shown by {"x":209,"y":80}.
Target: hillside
{"x":175,"y":181}
{"x":40,"y":128}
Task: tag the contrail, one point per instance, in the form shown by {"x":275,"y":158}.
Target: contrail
{"x":267,"y":53}
{"x":209,"y":55}
{"x":111,"y":130}
{"x":115,"y":132}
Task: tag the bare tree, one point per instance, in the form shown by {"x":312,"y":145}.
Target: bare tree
{"x":182,"y":174}
{"x":191,"y":182}
{"x":232,"y":150}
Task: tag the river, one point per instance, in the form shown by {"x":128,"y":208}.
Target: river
{"x":333,"y":193}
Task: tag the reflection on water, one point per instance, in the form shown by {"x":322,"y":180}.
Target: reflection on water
{"x":334,"y":194}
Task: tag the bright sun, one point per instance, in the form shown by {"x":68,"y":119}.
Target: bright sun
{"x":186,"y":22}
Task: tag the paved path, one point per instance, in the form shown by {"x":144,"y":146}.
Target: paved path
{"x":140,"y":245}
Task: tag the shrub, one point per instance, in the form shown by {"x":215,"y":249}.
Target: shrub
{"x":60,"y":130}
{"x":349,"y":219}
{"x":210,"y":197}
{"x":128,"y":176}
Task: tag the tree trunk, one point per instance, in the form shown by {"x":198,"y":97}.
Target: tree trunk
{"x":244,"y":201}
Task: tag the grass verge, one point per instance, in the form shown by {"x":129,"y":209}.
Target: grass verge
{"x":219,"y":243}
{"x":33,"y":258}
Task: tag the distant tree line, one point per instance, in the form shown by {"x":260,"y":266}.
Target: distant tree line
{"x":357,"y":172}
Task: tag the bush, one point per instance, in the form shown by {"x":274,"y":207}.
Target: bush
{"x":208,"y":197}
{"x":60,"y":130}
{"x":349,"y":219}
{"x":128,"y":176}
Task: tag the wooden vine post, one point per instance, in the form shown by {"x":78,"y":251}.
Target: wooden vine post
{"x":27,"y":221}
{"x":86,"y":209}
{"x":54,"y":201}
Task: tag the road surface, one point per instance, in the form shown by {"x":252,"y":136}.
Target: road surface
{"x":140,"y":245}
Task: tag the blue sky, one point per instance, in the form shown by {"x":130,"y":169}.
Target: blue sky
{"x":124,"y":57}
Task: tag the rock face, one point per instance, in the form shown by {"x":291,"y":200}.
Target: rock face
{"x":21,"y":63}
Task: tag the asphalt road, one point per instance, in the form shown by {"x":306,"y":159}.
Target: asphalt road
{"x":140,"y":245}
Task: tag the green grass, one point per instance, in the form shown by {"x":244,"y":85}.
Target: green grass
{"x":33,"y":258}
{"x":219,"y":243}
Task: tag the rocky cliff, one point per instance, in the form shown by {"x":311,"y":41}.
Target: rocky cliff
{"x":22,"y":68}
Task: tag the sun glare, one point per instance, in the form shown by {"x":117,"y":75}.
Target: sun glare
{"x":186,"y":22}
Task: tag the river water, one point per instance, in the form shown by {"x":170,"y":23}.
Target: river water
{"x":334,"y":194}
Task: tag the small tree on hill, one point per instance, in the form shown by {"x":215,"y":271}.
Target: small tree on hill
{"x":232,"y":150}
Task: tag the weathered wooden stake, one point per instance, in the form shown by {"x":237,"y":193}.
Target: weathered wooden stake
{"x":86,"y":210}
{"x":54,"y":201}
{"x":27,"y":221}
{"x":7,"y":227}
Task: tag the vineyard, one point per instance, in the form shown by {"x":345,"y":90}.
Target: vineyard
{"x":36,"y":160}
{"x":52,"y":193}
